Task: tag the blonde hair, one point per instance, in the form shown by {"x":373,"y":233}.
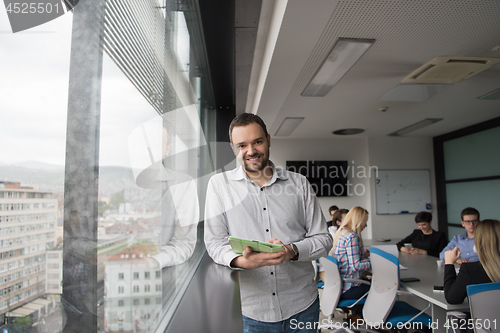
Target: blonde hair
{"x":487,"y":242}
{"x":352,"y":223}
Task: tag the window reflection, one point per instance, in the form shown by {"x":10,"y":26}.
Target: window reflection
{"x":152,"y":229}
{"x":155,"y":233}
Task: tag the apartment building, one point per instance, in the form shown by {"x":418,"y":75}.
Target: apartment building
{"x":28,"y":225}
{"x":133,"y":291}
{"x":54,"y":273}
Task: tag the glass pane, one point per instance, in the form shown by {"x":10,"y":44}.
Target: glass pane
{"x":149,"y":206}
{"x":453,"y":231}
{"x":481,"y":195}
{"x":471,"y":156}
{"x":35,"y":70}
{"x":154,"y":165}
{"x":153,"y":159}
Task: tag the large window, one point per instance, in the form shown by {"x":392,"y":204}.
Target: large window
{"x":129,"y":156}
{"x":468,"y":173}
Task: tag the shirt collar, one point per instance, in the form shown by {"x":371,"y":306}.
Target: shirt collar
{"x":239,"y":173}
{"x":465,"y":236}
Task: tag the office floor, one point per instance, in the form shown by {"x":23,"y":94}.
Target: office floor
{"x":337,"y":319}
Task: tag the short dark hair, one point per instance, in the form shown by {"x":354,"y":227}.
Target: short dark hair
{"x":337,"y":216}
{"x":423,"y":217}
{"x":245,"y":119}
{"x":469,"y":211}
{"x":332,"y":208}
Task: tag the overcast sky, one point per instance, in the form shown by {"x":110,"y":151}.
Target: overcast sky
{"x":34,"y":71}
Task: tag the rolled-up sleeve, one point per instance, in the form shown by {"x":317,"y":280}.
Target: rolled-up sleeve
{"x":318,"y":241}
{"x":216,"y":227}
{"x":354,"y":255}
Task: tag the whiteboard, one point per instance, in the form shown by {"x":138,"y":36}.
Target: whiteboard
{"x":402,"y":191}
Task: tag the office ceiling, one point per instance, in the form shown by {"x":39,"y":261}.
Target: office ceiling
{"x":295,"y":36}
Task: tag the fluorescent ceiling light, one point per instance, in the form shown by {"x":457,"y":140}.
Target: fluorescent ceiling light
{"x":288,"y":125}
{"x":344,"y":54}
{"x":414,"y":92}
{"x":416,"y":126}
{"x":492,"y":95}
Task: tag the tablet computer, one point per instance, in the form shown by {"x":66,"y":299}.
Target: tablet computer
{"x":239,"y":245}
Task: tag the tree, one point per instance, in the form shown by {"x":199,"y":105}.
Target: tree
{"x":116,"y":199}
{"x":21,"y":324}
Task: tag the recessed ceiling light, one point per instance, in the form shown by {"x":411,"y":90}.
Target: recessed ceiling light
{"x":348,"y":131}
{"x":492,"y":95}
{"x":288,"y":125}
{"x":343,"y":56}
{"x":416,"y":126}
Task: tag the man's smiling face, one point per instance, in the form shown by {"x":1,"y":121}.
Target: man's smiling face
{"x":251,"y":146}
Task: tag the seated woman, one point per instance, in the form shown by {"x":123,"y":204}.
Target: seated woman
{"x":348,"y":250}
{"x":337,"y":219}
{"x":487,"y":269}
{"x":424,"y":240}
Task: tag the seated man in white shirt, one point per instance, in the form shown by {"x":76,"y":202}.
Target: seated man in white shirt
{"x":332,"y":210}
{"x":465,"y":242}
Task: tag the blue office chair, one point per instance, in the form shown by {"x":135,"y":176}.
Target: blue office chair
{"x":332,"y":290}
{"x":381,"y":306}
{"x":483,"y":303}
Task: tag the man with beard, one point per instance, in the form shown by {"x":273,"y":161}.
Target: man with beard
{"x":262,"y":202}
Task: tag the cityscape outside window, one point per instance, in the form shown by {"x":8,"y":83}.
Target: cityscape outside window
{"x":79,"y":256}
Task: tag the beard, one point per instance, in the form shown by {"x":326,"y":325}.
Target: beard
{"x":259,"y":167}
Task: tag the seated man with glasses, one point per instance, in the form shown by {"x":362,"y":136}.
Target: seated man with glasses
{"x":465,"y":242}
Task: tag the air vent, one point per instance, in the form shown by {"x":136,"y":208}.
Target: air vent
{"x":425,"y":69}
{"x":447,"y":70}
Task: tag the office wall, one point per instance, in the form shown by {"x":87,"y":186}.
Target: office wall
{"x":401,"y":153}
{"x":352,"y":150}
{"x":364,"y":155}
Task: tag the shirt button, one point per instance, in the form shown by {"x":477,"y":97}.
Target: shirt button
{"x":274,"y":294}
{"x":272,"y":273}
{"x":264,"y":208}
{"x":267,"y":230}
{"x":261,"y":189}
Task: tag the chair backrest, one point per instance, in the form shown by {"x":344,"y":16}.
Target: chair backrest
{"x":384,"y":286}
{"x":333,"y":285}
{"x":483,"y":303}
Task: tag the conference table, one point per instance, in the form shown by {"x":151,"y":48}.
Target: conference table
{"x":425,"y":269}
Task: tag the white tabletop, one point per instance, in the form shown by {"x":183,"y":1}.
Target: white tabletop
{"x":426,"y":269}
